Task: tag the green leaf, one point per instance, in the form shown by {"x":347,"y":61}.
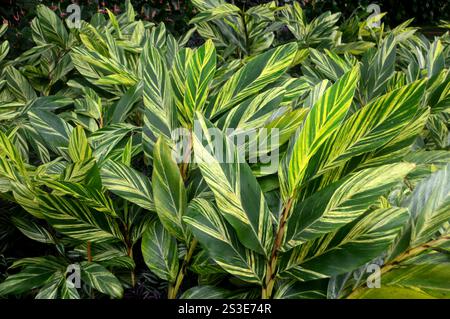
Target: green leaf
{"x":217,"y":12}
{"x":99,"y":278}
{"x":221,"y":242}
{"x":200,"y":70}
{"x":50,"y":26}
{"x":347,"y":249}
{"x":79,"y":148}
{"x":127,"y":183}
{"x":122,"y":109}
{"x":90,"y":196}
{"x":81,"y":172}
{"x":330,"y":64}
{"x":169,"y":192}
{"x":8,"y":149}
{"x":429,"y":205}
{"x":33,"y":230}
{"x":19,"y":85}
{"x":50,"y":290}
{"x":160,"y":252}
{"x":369,"y":128}
{"x":435,"y":58}
{"x":378,"y":69}
{"x":341,"y":202}
{"x":77,"y":220}
{"x":178,"y":81}
{"x":232,"y":182}
{"x":260,"y":71}
{"x":106,"y":139}
{"x":160,"y":114}
{"x":253,"y":112}
{"x":293,"y":289}
{"x":54,"y":130}
{"x":323,"y":119}
{"x":68,"y":291}
{"x":35,"y":274}
{"x":205,"y":292}
{"x":422,"y":281}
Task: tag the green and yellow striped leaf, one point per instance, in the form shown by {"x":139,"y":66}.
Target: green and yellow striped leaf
{"x":347,"y":249}
{"x":260,"y":71}
{"x":421,"y":281}
{"x":106,"y":139}
{"x":19,"y":86}
{"x":323,"y":119}
{"x":101,"y":279}
{"x":217,"y":12}
{"x":429,"y":205}
{"x":169,"y":192}
{"x":36,"y":273}
{"x":222,"y":244}
{"x":54,"y":130}
{"x":341,"y":202}
{"x":369,"y":128}
{"x":91,"y":196}
{"x":50,"y":26}
{"x":200,"y":70}
{"x":160,"y":252}
{"x":232,"y":182}
{"x":178,"y":81}
{"x":127,"y":183}
{"x":377,"y":69}
{"x":160,"y":113}
{"x":77,"y":220}
{"x":79,"y":148}
{"x":50,"y":289}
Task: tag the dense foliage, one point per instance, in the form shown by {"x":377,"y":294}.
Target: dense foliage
{"x":177,"y":13}
{"x":88,"y":123}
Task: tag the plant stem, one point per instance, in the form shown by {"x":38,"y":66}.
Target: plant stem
{"x":132,"y":275}
{"x":272,"y":263}
{"x":173,"y":288}
{"x":128,"y":241}
{"x":407,"y":254}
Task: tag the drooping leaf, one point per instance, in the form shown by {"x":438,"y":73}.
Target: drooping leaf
{"x":429,"y":205}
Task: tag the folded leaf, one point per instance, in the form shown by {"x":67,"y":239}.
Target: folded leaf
{"x":169,"y":192}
